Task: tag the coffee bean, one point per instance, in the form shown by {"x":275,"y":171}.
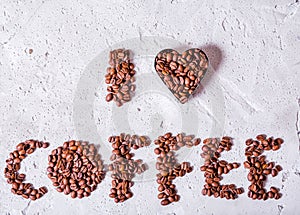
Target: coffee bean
{"x":26,"y":190}
{"x":181,"y":73}
{"x":275,"y":147}
{"x":273,"y":189}
{"x":279,"y":141}
{"x":235,"y":165}
{"x":229,"y":166}
{"x":274,"y":172}
{"x":25,"y":196}
{"x":33,"y":198}
{"x":270,"y":194}
{"x":124,"y":167}
{"x":20,"y":146}
{"x":76,"y":169}
{"x":120,"y":76}
{"x":259,"y":167}
{"x":278,"y":168}
{"x":266,"y":171}
{"x":261,"y":137}
{"x":168,"y":166}
{"x":197,"y":141}
{"x":247,"y":165}
{"x":257,"y":164}
{"x":277,"y":196}
{"x":157,"y":151}
{"x":44,"y":145}
{"x":15,"y":185}
{"x":43,"y":190}
{"x":214,"y":168}
{"x":73,"y":194}
{"x":165,"y":202}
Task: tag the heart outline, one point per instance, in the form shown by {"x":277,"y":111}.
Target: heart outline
{"x":172,"y":67}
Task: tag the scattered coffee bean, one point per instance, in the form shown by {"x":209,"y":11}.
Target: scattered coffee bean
{"x":168,"y":166}
{"x":181,"y":73}
{"x":124,"y":167}
{"x":214,"y":168}
{"x":260,"y":168}
{"x":75,"y":168}
{"x":19,"y":187}
{"x":120,"y":77}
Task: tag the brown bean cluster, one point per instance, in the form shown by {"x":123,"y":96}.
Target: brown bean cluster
{"x":181,"y":73}
{"x":260,"y":168}
{"x":75,"y":168}
{"x":124,"y":167}
{"x":120,"y":77}
{"x":26,"y":190}
{"x":214,"y":168}
{"x":168,"y":166}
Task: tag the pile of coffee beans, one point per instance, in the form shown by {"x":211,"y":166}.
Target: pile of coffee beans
{"x":181,"y":73}
{"x":260,"y":168}
{"x":124,"y":167}
{"x":19,"y":187}
{"x":120,"y":77}
{"x":168,"y":166}
{"x":214,"y":168}
{"x":75,"y":168}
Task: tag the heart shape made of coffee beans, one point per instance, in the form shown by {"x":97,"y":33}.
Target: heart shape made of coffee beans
{"x":181,"y":73}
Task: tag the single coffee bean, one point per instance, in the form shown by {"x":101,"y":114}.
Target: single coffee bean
{"x":279,"y":140}
{"x":266,"y":171}
{"x":44,"y":145}
{"x":270,"y":194}
{"x":33,"y":198}
{"x":235,"y":165}
{"x":25,"y":196}
{"x":43,"y":190}
{"x":274,"y":190}
{"x":165,"y":202}
{"x":73,"y":194}
{"x":278,"y":168}
{"x":277,"y":196}
{"x":274,"y":172}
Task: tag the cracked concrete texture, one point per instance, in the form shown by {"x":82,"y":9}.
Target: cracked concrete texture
{"x":257,"y":73}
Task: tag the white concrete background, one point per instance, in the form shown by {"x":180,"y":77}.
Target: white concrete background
{"x":254,"y":61}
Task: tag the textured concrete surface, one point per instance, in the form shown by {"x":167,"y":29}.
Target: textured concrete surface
{"x":57,"y":92}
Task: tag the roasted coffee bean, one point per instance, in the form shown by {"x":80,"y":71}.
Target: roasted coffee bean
{"x":120,"y":77}
{"x":165,"y":202}
{"x":43,"y":190}
{"x":26,"y":190}
{"x":124,"y":167}
{"x":181,"y":73}
{"x":270,"y":194}
{"x":235,"y":165}
{"x":168,"y":166}
{"x":258,"y":166}
{"x":71,"y":170}
{"x":214,"y":168}
{"x":274,"y":172}
{"x":44,"y":145}
{"x":279,"y":141}
{"x":278,"y":168}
